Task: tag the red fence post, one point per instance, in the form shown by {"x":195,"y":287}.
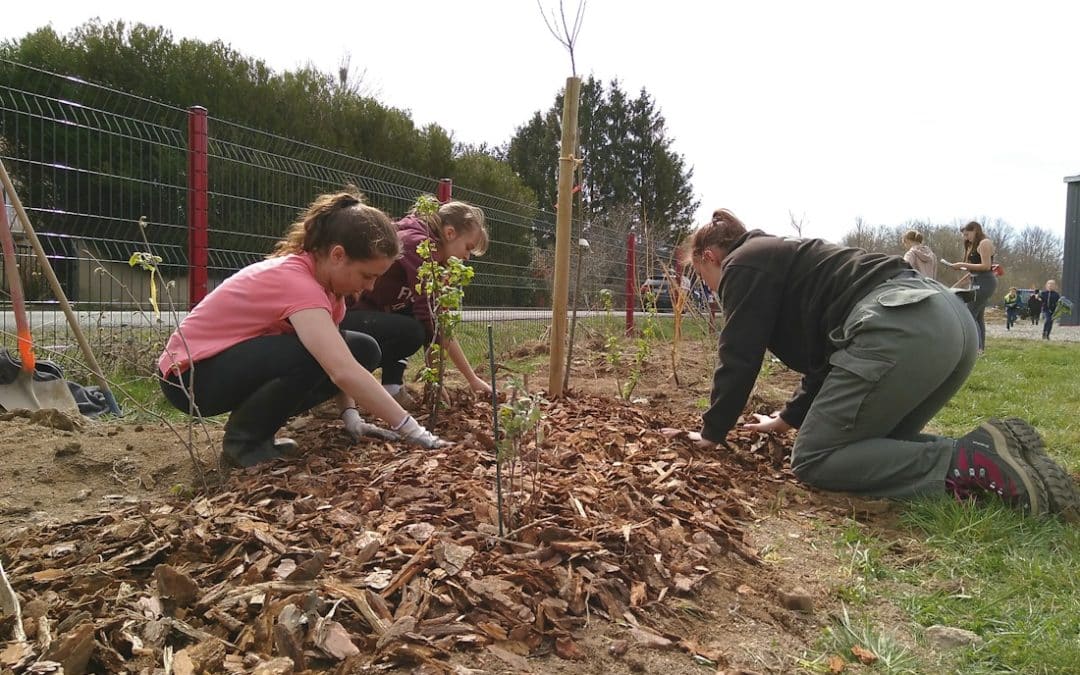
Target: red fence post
{"x":197,"y":205}
{"x":446,"y":186}
{"x":631,"y":283}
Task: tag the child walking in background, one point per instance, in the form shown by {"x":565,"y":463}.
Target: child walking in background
{"x":1034,"y":308}
{"x":1012,"y":306}
{"x":1049,"y":298}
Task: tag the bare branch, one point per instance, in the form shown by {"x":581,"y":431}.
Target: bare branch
{"x":797,"y":225}
{"x":568,"y":36}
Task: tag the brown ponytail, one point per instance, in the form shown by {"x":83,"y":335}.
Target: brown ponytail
{"x":722,"y":231}
{"x":342,"y":218}
{"x":913,"y":236}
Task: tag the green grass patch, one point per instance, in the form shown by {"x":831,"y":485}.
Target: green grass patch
{"x":511,"y":335}
{"x":508,"y":336}
{"x":139,"y":396}
{"x":847,"y":633}
{"x":1039,"y":381}
{"x":861,"y":554}
{"x":1013,"y":580}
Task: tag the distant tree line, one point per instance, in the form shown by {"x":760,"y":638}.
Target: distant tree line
{"x":629,"y":172}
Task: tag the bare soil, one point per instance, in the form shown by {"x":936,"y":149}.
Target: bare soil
{"x":57,"y":468}
{"x":734,"y":618}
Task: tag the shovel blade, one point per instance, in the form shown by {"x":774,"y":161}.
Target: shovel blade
{"x":55,"y":394}
{"x":19,"y":394}
{"x":29,"y":393}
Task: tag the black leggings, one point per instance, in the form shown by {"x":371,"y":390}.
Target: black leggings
{"x":986,"y":285}
{"x":399,"y":337}
{"x":225,"y":381}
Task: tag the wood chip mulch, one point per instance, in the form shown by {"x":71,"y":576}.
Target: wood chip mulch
{"x":355,"y":559}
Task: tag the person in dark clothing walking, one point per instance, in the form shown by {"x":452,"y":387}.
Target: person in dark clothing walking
{"x":979,"y":263}
{"x":881,"y":349}
{"x":396,"y":314}
{"x":1034,"y":308}
{"x":1048,"y":298}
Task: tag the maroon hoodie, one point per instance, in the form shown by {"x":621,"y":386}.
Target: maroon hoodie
{"x":395,"y":291}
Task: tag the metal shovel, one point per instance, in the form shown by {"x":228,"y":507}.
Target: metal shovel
{"x":29,"y":390}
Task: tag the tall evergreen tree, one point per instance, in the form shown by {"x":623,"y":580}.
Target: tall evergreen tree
{"x":627,"y":159}
{"x":534,"y":155}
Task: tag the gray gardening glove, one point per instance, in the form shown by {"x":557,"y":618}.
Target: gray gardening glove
{"x":411,"y":432}
{"x":357,"y":428}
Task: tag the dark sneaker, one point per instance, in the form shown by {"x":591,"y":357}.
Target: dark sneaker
{"x":1063,"y":495}
{"x":239,"y":454}
{"x":989,"y":461}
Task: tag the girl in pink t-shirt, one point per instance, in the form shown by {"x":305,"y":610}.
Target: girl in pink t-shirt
{"x":265,"y":344}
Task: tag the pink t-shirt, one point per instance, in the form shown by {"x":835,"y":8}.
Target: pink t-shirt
{"x":258,"y":300}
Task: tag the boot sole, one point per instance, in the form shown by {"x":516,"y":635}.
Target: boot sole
{"x":1033,"y":482}
{"x":1063,"y":495}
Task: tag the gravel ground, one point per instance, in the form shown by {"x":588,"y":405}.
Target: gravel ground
{"x":1023,"y":330}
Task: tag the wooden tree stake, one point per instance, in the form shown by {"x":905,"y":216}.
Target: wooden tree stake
{"x":563,"y":235}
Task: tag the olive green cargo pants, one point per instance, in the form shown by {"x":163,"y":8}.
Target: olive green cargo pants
{"x":903,"y":352}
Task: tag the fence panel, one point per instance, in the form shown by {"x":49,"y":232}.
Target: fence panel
{"x":90,"y":163}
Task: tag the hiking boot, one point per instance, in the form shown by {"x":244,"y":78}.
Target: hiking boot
{"x":990,"y":461}
{"x":249,"y":431}
{"x":405,"y":399}
{"x":1063,"y":495}
{"x":237,"y":453}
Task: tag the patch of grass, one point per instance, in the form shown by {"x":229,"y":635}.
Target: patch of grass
{"x":508,"y":335}
{"x":693,"y":328}
{"x":527,"y":365}
{"x":1012,"y":579}
{"x":512,"y":334}
{"x":862,"y":554}
{"x":1039,"y":381}
{"x":846,"y":633}
{"x":139,"y":396}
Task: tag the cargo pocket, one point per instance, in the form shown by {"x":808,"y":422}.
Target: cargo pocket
{"x":899,"y":297}
{"x":852,"y":380}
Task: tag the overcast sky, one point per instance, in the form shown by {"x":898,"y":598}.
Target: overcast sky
{"x":829,"y":110}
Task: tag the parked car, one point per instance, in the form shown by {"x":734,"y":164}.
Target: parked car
{"x":658,"y":286}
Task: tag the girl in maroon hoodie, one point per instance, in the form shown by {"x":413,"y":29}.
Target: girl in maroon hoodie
{"x":396,"y":315}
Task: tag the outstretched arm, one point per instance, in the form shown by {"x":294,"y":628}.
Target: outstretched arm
{"x":319,"y":335}
{"x":465,"y":368}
